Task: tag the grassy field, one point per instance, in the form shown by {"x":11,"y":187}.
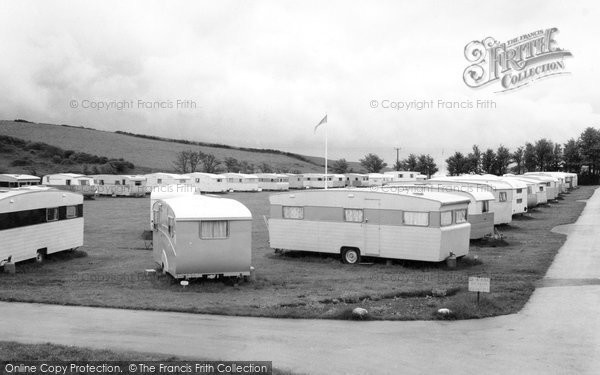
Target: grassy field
{"x":109,"y":271}
{"x":144,"y":153}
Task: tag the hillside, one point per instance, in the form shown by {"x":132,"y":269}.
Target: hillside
{"x":39,"y":158}
{"x":146,"y":153}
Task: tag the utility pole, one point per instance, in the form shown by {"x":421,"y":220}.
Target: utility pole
{"x":397,"y":154}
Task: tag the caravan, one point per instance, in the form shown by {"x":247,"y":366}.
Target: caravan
{"x":199,"y":235}
{"x":364,"y":222}
{"x":208,"y":182}
{"x":73,"y":182}
{"x":18,"y":180}
{"x":120,"y":185}
{"x":37,"y":221}
{"x":273,"y":181}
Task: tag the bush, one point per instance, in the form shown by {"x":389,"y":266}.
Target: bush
{"x":21,"y":162}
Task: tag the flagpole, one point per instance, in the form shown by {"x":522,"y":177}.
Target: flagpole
{"x":326,"y":177}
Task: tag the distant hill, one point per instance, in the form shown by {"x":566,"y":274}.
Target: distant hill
{"x":38,"y":158}
{"x":149,"y":153}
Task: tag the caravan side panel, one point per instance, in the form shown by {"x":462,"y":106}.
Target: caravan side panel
{"x":22,"y":243}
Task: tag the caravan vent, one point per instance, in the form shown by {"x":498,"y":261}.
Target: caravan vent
{"x":292,"y":196}
{"x":350,"y":195}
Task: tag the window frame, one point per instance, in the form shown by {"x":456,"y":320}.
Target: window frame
{"x":283,"y":213}
{"x":502,"y":196}
{"x":416,"y":212}
{"x":466,"y":216}
{"x":74,"y":213}
{"x":52,"y":209}
{"x":362,"y":215}
{"x":227,"y":229}
{"x":451,"y":218}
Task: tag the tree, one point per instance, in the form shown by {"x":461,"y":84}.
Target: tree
{"x":589,"y":149}
{"x":265,"y":167}
{"x":411,"y":162}
{"x":372,"y":163}
{"x":517,"y":158}
{"x":426,"y":165}
{"x":457,"y":164}
{"x":231,"y":164}
{"x":488,"y":159}
{"x":556,"y":163}
{"x":194,"y":159}
{"x":571,"y":157}
{"x":340,"y":166}
{"x":529,"y":158}
{"x":246,"y":167}
{"x":210,"y":163}
{"x":399,"y":165}
{"x":543,"y":153}
{"x":502,"y":160}
{"x":182,"y":162}
{"x":474,"y":161}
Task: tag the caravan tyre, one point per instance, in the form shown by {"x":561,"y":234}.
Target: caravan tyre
{"x":40,"y":256}
{"x":350,"y":256}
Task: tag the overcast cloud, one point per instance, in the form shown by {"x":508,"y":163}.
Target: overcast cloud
{"x":262,"y":74}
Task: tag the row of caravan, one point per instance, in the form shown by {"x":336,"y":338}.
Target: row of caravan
{"x":139,"y":185}
{"x":197,"y":235}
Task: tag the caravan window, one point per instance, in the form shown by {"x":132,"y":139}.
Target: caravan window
{"x":52,"y":214}
{"x":541,"y":188}
{"x":445,"y":218}
{"x":519,"y":191}
{"x":519,"y":201}
{"x":420,"y":219}
{"x":502,"y":196}
{"x":159,"y":180}
{"x":71,"y":212}
{"x":353,"y":215}
{"x":171,"y":226}
{"x":290,"y":212}
{"x":214,"y":229}
{"x":138,"y":183}
{"x":460,"y":216}
{"x":485,"y":206}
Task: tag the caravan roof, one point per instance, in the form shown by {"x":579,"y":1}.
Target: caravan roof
{"x":18,"y":177}
{"x":478,"y":195}
{"x":202,"y":207}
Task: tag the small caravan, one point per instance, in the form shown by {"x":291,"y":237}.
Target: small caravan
{"x":536,"y":189}
{"x":159,"y":179}
{"x":551,"y":183}
{"x":208,"y":182}
{"x":120,"y":185}
{"x":518,"y":189}
{"x":400,"y":176}
{"x":379,"y":179}
{"x":295,"y":180}
{"x":241,"y":181}
{"x":364,"y":222}
{"x":36,"y":221}
{"x":317,"y":180}
{"x":18,"y":180}
{"x":73,"y":182}
{"x":273,"y":181}
{"x":199,"y":235}
{"x":501,"y":206}
{"x":480,"y":216}
{"x":357,"y":179}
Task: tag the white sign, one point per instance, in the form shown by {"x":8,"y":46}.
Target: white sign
{"x":479,"y":284}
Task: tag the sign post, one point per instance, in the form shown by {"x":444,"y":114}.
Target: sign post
{"x":479,"y":284}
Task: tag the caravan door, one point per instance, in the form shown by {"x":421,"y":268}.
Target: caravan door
{"x":372,"y":227}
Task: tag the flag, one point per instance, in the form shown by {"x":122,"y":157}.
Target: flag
{"x":324,"y":121}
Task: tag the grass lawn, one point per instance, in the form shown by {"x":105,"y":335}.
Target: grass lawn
{"x":292,"y":285}
{"x":11,"y":352}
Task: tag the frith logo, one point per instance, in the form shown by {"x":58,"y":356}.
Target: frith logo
{"x":515,"y":63}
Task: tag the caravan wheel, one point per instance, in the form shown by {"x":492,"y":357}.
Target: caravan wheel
{"x":350,"y":256}
{"x":40,"y":256}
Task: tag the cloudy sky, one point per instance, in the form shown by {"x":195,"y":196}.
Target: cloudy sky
{"x":263,"y":73}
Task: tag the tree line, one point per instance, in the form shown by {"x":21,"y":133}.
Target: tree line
{"x":189,"y":161}
{"x":581,"y":155}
